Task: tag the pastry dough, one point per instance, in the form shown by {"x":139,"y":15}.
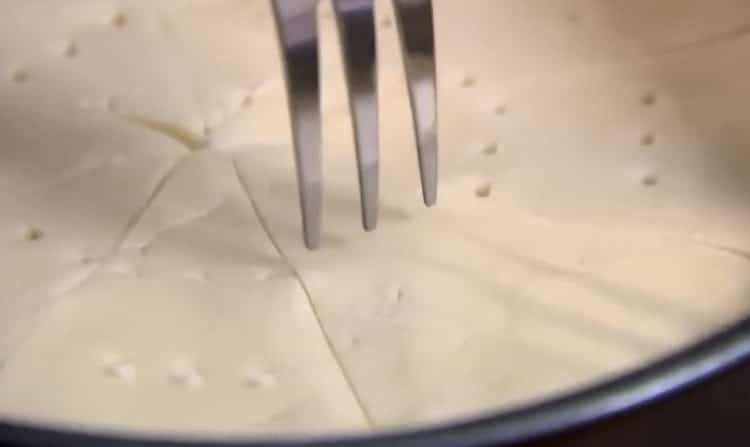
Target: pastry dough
{"x":592,"y":214}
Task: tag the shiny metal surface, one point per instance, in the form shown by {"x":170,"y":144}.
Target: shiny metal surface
{"x":416,"y":29}
{"x":298,"y":35}
{"x":356,"y":25}
{"x":296,"y":22}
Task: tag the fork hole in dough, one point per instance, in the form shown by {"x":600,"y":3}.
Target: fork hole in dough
{"x":398,"y":294}
{"x":649,"y":179}
{"x":483,"y":191}
{"x":247,"y":101}
{"x":187,"y":377}
{"x":124,"y":372}
{"x":20,"y":75}
{"x":490,"y":148}
{"x":113,"y":366}
{"x":256,"y":378}
{"x":468,"y":81}
{"x":119,"y":20}
{"x":70,"y":50}
{"x":33,"y":234}
{"x":648,"y":139}
{"x":648,"y":99}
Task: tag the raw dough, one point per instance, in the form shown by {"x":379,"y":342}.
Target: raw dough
{"x":592,"y":214}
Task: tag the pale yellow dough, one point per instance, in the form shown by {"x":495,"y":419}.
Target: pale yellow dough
{"x":593,"y":214}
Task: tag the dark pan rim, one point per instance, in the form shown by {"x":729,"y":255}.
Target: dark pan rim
{"x":630,"y":391}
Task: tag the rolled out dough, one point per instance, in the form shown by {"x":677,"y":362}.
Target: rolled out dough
{"x":592,"y":216}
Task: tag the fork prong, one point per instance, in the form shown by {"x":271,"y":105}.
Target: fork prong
{"x":416,"y":30}
{"x":296,"y":24}
{"x":356,"y":29}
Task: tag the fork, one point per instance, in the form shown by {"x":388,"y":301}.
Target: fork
{"x":296,"y":25}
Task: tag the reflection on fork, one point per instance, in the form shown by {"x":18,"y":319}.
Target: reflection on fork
{"x":296,"y":22}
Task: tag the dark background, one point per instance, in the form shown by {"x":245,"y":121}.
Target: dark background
{"x":712,"y":413}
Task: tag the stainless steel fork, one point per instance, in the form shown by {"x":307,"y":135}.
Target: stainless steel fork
{"x":296,"y":22}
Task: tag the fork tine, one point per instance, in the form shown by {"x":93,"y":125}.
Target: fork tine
{"x":356,"y":28}
{"x":296,"y":24}
{"x":416,"y":30}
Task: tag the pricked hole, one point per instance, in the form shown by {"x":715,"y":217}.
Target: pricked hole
{"x":259,"y":379}
{"x":386,"y":22}
{"x":33,"y":234}
{"x":125,"y":372}
{"x":483,"y":191}
{"x":247,"y":101}
{"x":70,"y":50}
{"x":648,"y":99}
{"x":395,"y":294}
{"x":119,"y":20}
{"x":649,"y":179}
{"x":112,"y":105}
{"x":20,"y":76}
{"x":392,"y":301}
{"x":648,"y":139}
{"x":468,"y":81}
{"x":187,"y":377}
{"x":490,"y":148}
{"x":499,"y":109}
{"x":399,"y":295}
{"x":114,"y":366}
{"x":573,"y":17}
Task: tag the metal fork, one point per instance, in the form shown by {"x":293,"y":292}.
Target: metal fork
{"x":296,"y":23}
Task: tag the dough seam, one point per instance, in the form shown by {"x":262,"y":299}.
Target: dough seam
{"x":141,"y":211}
{"x":339,"y":364}
{"x":710,"y":40}
{"x":734,"y":251}
{"x":639,"y":301}
{"x":132,"y":222}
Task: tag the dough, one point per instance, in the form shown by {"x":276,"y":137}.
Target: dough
{"x":591,"y":218}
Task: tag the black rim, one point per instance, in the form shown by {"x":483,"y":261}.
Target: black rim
{"x":627,"y":392}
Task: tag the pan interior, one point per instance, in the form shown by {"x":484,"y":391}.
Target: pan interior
{"x":592,"y":217}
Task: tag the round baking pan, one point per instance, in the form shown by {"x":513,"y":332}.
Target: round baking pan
{"x":626,"y":393}
{"x":591,"y":405}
